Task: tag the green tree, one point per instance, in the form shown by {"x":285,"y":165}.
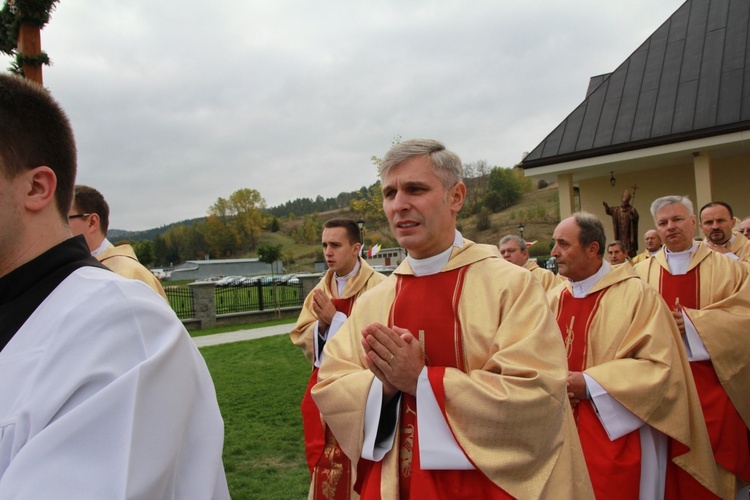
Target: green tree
{"x":144,"y":250}
{"x":504,"y":189}
{"x":309,"y":231}
{"x":269,"y":253}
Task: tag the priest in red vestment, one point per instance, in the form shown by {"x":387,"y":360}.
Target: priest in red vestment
{"x":448,"y":380}
{"x":326,"y":308}
{"x":636,"y":408}
{"x":709,"y":295}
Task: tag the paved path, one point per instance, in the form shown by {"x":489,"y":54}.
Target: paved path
{"x":255,"y":333}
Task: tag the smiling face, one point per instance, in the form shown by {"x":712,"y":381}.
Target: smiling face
{"x":675,"y":226}
{"x":717,"y":224}
{"x":420,"y":211}
{"x":340,"y":253}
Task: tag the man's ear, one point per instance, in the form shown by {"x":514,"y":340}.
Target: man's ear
{"x":41,"y":186}
{"x":457,"y":195}
{"x":94,"y":221}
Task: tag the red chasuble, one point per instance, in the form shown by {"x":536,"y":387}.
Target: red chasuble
{"x":329,"y":467}
{"x":614,"y":466}
{"x":427,"y":306}
{"x":729,"y":435}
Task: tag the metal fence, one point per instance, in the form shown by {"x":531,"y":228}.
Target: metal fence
{"x":181,"y":300}
{"x":257,"y":297}
{"x":237,"y":299}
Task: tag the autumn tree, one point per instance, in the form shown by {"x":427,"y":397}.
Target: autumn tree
{"x":219,"y":237}
{"x":243,"y":213}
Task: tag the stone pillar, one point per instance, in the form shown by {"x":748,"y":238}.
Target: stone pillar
{"x":204,"y":302}
{"x":565,"y":194}
{"x":308,"y":283}
{"x":702,"y":171}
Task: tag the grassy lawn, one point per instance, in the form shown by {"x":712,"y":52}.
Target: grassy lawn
{"x":259,"y":385}
{"x":250,"y":326}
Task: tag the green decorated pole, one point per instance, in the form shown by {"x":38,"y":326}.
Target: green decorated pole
{"x":21,"y":22}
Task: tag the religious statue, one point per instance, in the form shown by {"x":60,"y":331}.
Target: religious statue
{"x":625,"y":222}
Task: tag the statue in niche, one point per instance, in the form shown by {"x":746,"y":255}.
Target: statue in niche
{"x":625,"y":222}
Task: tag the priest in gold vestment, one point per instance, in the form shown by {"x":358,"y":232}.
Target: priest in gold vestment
{"x":709,"y":295}
{"x":717,"y":220}
{"x":514,"y":250}
{"x":448,"y":380}
{"x":636,"y":407}
{"x":326,"y":308}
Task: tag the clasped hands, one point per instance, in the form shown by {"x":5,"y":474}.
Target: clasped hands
{"x":323,"y":308}
{"x":576,"y":388}
{"x":394,"y":356}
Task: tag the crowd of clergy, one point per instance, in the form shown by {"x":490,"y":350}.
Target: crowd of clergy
{"x":472,"y":371}
{"x":469,"y":372}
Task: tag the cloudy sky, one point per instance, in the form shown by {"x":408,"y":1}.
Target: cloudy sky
{"x":175,"y":104}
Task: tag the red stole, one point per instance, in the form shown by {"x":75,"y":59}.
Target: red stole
{"x":726,"y":429}
{"x":428,"y":307}
{"x":329,"y":467}
{"x":614,"y":466}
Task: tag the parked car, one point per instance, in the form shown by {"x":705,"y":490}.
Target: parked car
{"x":228,"y":280}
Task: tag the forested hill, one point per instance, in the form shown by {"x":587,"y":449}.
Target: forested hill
{"x":148,"y":234}
{"x":299,"y":207}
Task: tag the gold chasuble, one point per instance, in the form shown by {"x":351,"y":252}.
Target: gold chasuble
{"x":623,"y":336}
{"x":715,"y":295}
{"x":330,"y":469}
{"x":497,"y":368}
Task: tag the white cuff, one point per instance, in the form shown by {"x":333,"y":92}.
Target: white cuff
{"x":694,"y":346}
{"x":338,"y":320}
{"x":615,"y":418}
{"x":372,"y":450}
{"x":438,"y":449}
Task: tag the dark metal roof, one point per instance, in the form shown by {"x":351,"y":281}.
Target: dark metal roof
{"x":688,"y":80}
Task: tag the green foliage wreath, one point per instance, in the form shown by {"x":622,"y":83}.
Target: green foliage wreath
{"x":12,"y":15}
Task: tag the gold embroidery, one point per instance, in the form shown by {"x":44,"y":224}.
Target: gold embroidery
{"x":421,"y":344}
{"x":569,"y":336}
{"x":332,"y":475}
{"x":407,"y":448}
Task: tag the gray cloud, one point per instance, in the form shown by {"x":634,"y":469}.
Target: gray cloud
{"x":175,"y":104}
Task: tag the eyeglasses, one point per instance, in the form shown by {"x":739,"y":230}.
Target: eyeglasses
{"x":77,"y":216}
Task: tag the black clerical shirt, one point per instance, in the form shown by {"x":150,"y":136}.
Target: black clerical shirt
{"x":25,"y":288}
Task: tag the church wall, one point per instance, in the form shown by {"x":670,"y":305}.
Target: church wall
{"x":730,"y":178}
{"x":651,"y":184}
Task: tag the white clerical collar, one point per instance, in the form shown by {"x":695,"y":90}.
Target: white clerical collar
{"x":726,"y":244}
{"x":583,"y":287}
{"x":341,"y":280}
{"x":436,"y":263}
{"x":680,"y":261}
{"x":105,"y":245}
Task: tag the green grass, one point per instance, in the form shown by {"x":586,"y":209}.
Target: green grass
{"x":250,"y":326}
{"x":259,"y":385}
